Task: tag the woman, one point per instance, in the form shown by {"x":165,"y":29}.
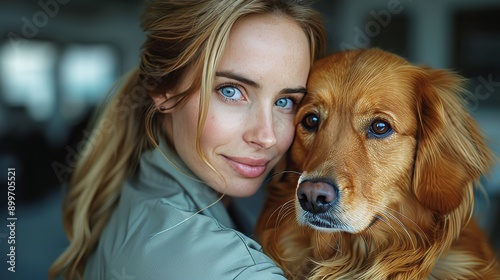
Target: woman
{"x":205,"y":117}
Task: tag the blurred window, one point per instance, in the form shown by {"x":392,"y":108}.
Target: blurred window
{"x":87,"y":73}
{"x":29,"y":79}
{"x":27,"y":75}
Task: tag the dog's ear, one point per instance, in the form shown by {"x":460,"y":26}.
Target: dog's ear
{"x":451,"y":151}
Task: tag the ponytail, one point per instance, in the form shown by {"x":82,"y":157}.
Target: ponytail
{"x":111,"y":154}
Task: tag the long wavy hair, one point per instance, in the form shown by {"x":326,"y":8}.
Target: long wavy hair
{"x":182,"y":36}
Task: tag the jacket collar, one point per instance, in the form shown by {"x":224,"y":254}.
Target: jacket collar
{"x":163,"y":174}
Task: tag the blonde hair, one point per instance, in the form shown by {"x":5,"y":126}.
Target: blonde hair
{"x":182,"y":36}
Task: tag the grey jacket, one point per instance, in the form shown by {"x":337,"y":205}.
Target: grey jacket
{"x":158,"y":232}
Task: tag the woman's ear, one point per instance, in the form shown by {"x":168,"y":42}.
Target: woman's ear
{"x":165,"y":102}
{"x":451,"y":151}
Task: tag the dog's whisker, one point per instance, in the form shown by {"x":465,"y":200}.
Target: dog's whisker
{"x":276,"y":174}
{"x":283,"y":217}
{"x":337,"y":248}
{"x":278,"y":211}
{"x":284,"y":210}
{"x":373,"y":245}
{"x":318,"y":244}
{"x":382,"y":210}
{"x":418,"y":233}
{"x":385,"y":216}
{"x":320,"y":237}
{"x":415,"y":226}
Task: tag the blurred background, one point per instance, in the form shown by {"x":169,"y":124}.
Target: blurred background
{"x":59,"y":58}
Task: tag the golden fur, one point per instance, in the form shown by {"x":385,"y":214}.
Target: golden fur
{"x":404,"y":200}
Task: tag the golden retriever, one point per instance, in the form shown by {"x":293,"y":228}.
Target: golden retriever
{"x":386,"y":160}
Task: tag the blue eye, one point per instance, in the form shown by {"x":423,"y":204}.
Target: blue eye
{"x":286,"y":103}
{"x":230,"y":92}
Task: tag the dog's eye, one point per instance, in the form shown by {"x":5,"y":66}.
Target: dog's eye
{"x":310,"y":122}
{"x":380,"y":128}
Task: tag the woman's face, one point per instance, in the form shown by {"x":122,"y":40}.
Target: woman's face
{"x":250,"y":123}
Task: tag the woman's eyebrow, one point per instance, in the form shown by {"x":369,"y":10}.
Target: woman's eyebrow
{"x":234,"y":76}
{"x":237,"y":77}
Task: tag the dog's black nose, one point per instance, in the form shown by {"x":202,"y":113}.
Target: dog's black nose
{"x":316,"y":197}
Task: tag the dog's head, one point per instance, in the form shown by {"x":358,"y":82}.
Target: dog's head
{"x":376,"y":135}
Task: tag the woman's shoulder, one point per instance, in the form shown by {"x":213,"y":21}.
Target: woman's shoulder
{"x":162,"y":241}
{"x":200,"y":247}
{"x":192,"y":233}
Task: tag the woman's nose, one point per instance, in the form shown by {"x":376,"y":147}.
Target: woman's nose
{"x":260,"y":129}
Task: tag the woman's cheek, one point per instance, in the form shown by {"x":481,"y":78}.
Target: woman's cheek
{"x":285,"y":132}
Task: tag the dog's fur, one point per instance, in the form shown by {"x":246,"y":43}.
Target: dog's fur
{"x":404,"y":200}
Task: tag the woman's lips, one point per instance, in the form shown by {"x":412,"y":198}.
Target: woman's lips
{"x":248,"y":167}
